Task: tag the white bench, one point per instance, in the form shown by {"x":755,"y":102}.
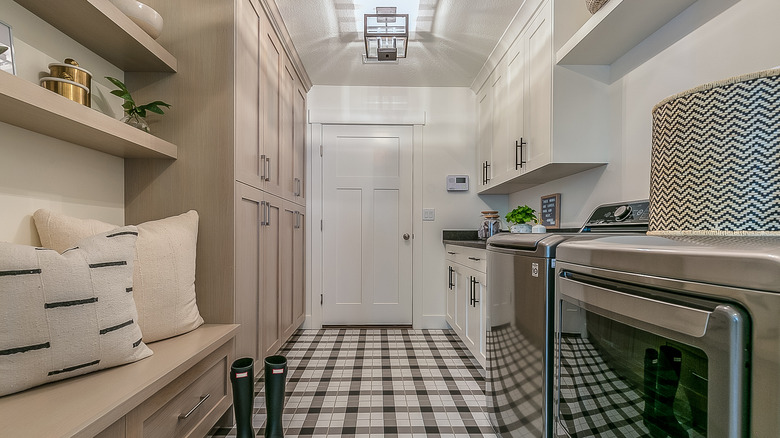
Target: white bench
{"x":148,"y":398}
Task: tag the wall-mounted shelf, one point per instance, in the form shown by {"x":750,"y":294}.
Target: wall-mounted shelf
{"x":33,"y":107}
{"x":616,"y":28}
{"x":104,"y":29}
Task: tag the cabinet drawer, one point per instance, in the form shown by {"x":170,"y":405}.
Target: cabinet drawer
{"x":205,"y":392}
{"x":474,"y":258}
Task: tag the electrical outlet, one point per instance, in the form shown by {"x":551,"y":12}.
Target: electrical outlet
{"x":429,"y":214}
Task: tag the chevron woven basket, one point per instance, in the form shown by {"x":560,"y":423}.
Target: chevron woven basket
{"x":716,"y":159}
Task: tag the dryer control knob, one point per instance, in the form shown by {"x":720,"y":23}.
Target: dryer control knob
{"x":622,"y":213}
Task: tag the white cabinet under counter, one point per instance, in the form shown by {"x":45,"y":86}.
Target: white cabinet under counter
{"x":467,"y":296}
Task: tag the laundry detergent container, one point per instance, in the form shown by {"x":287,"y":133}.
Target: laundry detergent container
{"x":716,"y":159}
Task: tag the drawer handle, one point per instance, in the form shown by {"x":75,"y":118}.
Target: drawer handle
{"x":475,"y":259}
{"x":450,"y":252}
{"x":202,"y":399}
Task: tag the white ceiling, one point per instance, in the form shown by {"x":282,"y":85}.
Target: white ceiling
{"x":449,"y":41}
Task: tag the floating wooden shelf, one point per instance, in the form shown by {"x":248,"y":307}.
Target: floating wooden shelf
{"x":616,"y":28}
{"x":33,"y":107}
{"x":104,"y":29}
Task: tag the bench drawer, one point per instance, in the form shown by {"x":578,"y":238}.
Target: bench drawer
{"x":189,"y":405}
{"x":180,"y":415}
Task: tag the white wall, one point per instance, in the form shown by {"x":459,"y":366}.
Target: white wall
{"x":37,"y":171}
{"x":448,"y":147}
{"x":703,"y":44}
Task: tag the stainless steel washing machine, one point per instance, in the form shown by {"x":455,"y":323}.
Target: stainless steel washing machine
{"x":668,"y":336}
{"x":520,"y":278}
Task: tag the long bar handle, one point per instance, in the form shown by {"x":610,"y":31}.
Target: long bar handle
{"x":202,"y":399}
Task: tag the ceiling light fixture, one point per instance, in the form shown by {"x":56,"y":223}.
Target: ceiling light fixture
{"x":386,"y":34}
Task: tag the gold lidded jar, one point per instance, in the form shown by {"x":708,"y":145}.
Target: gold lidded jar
{"x":70,"y":80}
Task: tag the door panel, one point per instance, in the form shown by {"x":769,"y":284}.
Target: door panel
{"x":540,"y":64}
{"x":299,"y":144}
{"x":271,"y":66}
{"x":287,"y":126}
{"x":299,"y":265}
{"x":249,"y":212}
{"x":367,"y":211}
{"x":247,"y":106}
{"x":287,"y":261}
{"x":269,"y":304}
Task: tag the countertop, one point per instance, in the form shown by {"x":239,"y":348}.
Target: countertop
{"x":463,"y":238}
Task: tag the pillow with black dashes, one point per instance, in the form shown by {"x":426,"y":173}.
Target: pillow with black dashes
{"x":63,"y":315}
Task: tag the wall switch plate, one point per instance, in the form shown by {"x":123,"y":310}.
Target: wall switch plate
{"x":429,"y":214}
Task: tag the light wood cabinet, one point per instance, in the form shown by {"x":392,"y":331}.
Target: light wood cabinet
{"x":236,"y":125}
{"x":467,"y":297}
{"x":270,"y":263}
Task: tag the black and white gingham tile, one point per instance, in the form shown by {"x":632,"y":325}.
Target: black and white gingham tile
{"x":378,"y":382}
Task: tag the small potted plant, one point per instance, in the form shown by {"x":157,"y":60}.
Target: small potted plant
{"x":521,"y":218}
{"x":135,"y":114}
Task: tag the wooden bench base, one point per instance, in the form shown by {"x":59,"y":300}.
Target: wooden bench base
{"x":141,"y":399}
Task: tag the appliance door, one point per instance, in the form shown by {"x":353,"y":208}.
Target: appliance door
{"x":637,"y":361}
{"x":519,"y":379}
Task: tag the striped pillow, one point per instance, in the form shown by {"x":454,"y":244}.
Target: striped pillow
{"x":63,"y":315}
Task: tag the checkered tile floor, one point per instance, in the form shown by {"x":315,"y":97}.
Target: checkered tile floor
{"x":378,"y":382}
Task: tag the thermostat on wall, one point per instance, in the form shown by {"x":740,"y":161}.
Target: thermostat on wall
{"x":457,"y":183}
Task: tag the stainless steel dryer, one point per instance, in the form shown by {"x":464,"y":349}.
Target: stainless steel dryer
{"x":668,"y":336}
{"x":520,"y":271}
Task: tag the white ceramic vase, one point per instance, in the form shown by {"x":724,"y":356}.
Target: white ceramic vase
{"x":145,"y":17}
{"x":520,"y":228}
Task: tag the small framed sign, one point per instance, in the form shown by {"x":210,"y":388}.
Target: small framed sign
{"x":7,"y":49}
{"x":550,"y":215}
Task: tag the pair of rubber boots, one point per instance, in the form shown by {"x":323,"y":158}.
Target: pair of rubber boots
{"x":242,"y":378}
{"x":661,"y":380}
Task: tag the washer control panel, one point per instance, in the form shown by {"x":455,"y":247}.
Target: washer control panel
{"x":619,"y":214}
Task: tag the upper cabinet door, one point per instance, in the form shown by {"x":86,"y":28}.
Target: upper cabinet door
{"x":287,"y":128}
{"x":539,"y":95}
{"x":271,"y":69}
{"x":485,"y":149}
{"x":299,"y":144}
{"x":516,"y":89}
{"x":249,"y":162}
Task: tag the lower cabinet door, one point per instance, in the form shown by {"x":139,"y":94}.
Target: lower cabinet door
{"x":475,"y":334}
{"x":451,"y":296}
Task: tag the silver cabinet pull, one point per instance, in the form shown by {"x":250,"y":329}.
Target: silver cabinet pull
{"x":297,"y":185}
{"x":262,"y":167}
{"x":268,"y":169}
{"x":264,"y":213}
{"x":202,"y":399}
{"x":475,"y":259}
{"x":450,"y":252}
{"x":268,"y":213}
{"x":406,"y":236}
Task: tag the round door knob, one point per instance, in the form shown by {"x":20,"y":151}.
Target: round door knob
{"x":406,"y":236}
{"x":622,"y":212}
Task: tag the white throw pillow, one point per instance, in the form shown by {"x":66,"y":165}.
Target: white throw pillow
{"x":164,"y":277}
{"x":63,"y":315}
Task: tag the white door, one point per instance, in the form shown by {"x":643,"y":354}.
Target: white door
{"x":367,"y":225}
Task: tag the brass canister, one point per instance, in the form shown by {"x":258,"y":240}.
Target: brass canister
{"x":72,"y":90}
{"x":71,"y":71}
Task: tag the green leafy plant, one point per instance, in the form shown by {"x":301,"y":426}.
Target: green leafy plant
{"x":130,"y":107}
{"x":521,"y":215}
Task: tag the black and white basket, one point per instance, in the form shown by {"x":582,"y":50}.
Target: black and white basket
{"x":716,"y":159}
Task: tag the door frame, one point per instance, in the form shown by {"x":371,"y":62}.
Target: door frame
{"x":317,"y":120}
